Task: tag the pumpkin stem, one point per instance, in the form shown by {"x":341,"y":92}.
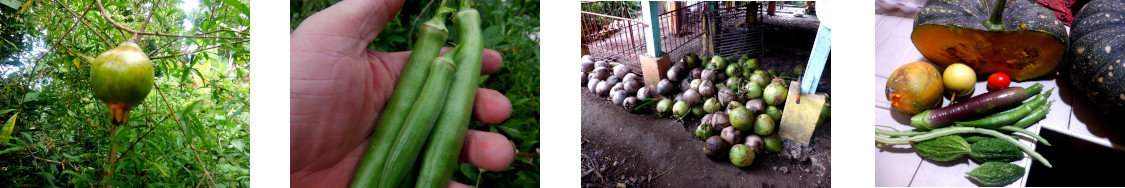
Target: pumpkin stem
{"x":995,"y":23}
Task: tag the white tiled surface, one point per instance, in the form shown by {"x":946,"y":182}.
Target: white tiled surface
{"x":900,"y":166}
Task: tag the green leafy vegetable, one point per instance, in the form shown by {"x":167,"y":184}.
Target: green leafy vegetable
{"x":945,"y":148}
{"x":996,"y":173}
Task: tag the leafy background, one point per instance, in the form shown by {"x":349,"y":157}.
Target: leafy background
{"x":193,"y":129}
{"x":510,"y":27}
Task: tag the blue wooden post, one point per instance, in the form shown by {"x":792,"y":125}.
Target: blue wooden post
{"x":651,"y":17}
{"x":822,"y":46}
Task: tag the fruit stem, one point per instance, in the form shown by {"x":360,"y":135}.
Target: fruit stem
{"x":995,"y":22}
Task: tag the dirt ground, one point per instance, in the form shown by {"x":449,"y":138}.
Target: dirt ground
{"x":795,"y":32}
{"x":649,"y":151}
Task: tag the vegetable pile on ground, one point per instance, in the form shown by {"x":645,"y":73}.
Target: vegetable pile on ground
{"x":419,"y":137}
{"x":739,"y":105}
{"x":950,"y":132}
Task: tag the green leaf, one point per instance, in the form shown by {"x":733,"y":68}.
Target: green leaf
{"x":239,"y":5}
{"x":160,"y":19}
{"x":2,"y":112}
{"x":11,"y":149}
{"x":469,"y":171}
{"x":185,"y":120}
{"x":70,"y":157}
{"x":496,"y":38}
{"x":31,"y":96}
{"x":6,"y":134}
{"x":14,"y":4}
{"x":85,"y":57}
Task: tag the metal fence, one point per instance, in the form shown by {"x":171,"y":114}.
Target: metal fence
{"x":681,"y":26}
{"x":733,"y":33}
{"x":613,"y":30}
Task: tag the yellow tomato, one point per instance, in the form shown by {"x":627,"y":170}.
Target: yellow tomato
{"x":959,"y":79}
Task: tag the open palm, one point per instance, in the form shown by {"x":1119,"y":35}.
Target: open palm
{"x":338,"y":88}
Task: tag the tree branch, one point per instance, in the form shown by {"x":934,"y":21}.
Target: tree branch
{"x":82,"y":19}
{"x":135,"y":32}
{"x":147,"y":19}
{"x":142,"y":135}
{"x":199,"y":50}
{"x":50,"y":161}
{"x":205,"y":172}
{"x":161,"y":48}
{"x":220,"y":30}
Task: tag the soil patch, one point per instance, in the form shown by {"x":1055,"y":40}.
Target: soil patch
{"x":626,"y":149}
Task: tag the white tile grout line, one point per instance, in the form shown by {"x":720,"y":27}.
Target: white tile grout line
{"x":1071,"y":112}
{"x":916,"y":169}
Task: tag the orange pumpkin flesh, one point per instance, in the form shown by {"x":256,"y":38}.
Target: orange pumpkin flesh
{"x":914,"y":87}
{"x":1020,"y":54}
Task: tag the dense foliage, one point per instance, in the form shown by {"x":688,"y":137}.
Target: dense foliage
{"x":510,"y":27}
{"x":193,"y":128}
{"x":624,"y":9}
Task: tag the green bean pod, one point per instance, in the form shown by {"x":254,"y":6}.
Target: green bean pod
{"x":444,"y":147}
{"x":1008,"y":117}
{"x":1035,"y":116}
{"x":973,"y":138}
{"x":431,"y":36}
{"x":408,"y":145}
{"x":1026,"y":132}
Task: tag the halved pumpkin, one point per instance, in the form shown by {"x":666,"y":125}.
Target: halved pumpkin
{"x":1018,"y":38}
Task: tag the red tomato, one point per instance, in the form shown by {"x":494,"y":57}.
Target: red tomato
{"x":998,"y":80}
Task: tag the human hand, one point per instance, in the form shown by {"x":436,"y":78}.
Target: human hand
{"x":338,"y":87}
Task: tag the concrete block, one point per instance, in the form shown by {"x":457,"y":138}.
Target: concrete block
{"x":653,"y":69}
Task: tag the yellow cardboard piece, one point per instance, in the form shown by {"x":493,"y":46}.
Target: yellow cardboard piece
{"x":799,"y":120}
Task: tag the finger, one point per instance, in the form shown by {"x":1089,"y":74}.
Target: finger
{"x":354,"y":21}
{"x":492,"y":62}
{"x":453,"y":184}
{"x":491,"y":106}
{"x":490,"y":59}
{"x":490,"y":151}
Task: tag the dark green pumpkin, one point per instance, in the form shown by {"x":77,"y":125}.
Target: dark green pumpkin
{"x":1098,"y":39}
{"x":1022,"y":39}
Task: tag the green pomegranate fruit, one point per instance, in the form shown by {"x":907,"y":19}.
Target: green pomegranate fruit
{"x":121,"y":78}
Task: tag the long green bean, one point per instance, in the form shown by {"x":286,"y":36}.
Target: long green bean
{"x":1035,"y":116}
{"x":431,"y":36}
{"x":444,"y":147}
{"x":407,"y":147}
